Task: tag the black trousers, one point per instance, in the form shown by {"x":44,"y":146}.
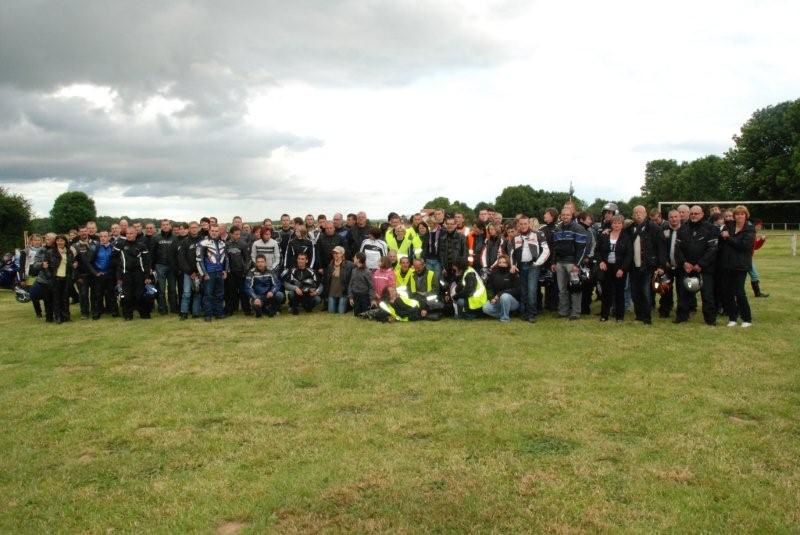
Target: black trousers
{"x":736,"y":303}
{"x":133,"y":290}
{"x":613,"y":293}
{"x":103,"y":298}
{"x":640,"y":280}
{"x":61,"y":294}
{"x":667,"y":301}
{"x":234,"y":296}
{"x":84,"y":282}
{"x":361,"y":303}
{"x":685,"y":298}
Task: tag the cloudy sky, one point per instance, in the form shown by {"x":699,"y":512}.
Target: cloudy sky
{"x":189,"y":108}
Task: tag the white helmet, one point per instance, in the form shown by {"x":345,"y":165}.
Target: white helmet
{"x":693,"y":283}
{"x":611,"y":207}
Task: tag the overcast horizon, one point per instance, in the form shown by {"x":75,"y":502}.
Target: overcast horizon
{"x":192,"y":108}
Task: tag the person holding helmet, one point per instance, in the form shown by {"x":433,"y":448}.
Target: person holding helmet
{"x":614,"y":254}
{"x":695,"y":254}
{"x":668,"y":245}
{"x":132,"y":262}
{"x":569,"y":245}
{"x":646,"y":260}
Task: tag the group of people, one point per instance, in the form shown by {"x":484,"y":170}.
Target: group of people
{"x":426,"y":266}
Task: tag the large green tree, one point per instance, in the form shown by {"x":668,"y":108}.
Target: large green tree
{"x":15,"y":216}
{"x":767,"y":154}
{"x":71,"y":210}
{"x":452,"y":207}
{"x":523,"y":199}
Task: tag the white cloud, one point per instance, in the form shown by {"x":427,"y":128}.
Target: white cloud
{"x":543,"y":93}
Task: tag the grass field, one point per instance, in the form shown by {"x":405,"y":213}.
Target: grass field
{"x":323,"y":423}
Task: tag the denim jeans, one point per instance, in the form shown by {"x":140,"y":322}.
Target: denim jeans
{"x":529,"y":282}
{"x":188,"y":296}
{"x":337,"y":305}
{"x":214,"y":295}
{"x":505,"y":305}
{"x":569,"y":303}
{"x":434,"y":265}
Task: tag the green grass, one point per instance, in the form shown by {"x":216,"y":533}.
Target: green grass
{"x":323,"y":423}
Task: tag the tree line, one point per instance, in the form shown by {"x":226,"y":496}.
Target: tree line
{"x":763,"y":164}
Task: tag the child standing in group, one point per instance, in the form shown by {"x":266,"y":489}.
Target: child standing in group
{"x":360,"y":291}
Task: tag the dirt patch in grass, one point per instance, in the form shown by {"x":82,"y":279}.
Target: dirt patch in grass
{"x":741,"y":417}
{"x":86,"y":458}
{"x":676,"y":475}
{"x":231,"y":527}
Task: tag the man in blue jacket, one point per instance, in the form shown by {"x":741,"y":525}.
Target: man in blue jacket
{"x":264,"y":289}
{"x":100,"y":265}
{"x":212,"y":266}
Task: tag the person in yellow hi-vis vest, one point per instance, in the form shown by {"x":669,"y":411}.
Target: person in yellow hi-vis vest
{"x":424,"y":280}
{"x":397,"y":305}
{"x":404,"y":241}
{"x":403,"y":274}
{"x":470,"y":292}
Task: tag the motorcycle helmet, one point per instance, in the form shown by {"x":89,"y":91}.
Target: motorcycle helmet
{"x":693,"y":283}
{"x":21,"y":295}
{"x":586,"y":277}
{"x":150,"y":292}
{"x":662,"y":285}
{"x":575,"y":283}
{"x":611,"y":207}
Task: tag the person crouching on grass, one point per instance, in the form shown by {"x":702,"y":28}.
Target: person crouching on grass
{"x":264,"y":289}
{"x":470,"y":294}
{"x":302,"y":286}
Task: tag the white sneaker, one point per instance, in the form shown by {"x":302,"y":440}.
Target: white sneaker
{"x":731,"y":324}
{"x":746,"y":324}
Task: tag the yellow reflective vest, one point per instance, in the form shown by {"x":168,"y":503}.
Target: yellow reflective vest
{"x":431,"y":285}
{"x":478,"y":297}
{"x":404,"y":281}
{"x":410,"y":246}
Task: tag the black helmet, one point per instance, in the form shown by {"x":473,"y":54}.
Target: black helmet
{"x":150,"y":292}
{"x":586,"y":277}
{"x":575,"y":283}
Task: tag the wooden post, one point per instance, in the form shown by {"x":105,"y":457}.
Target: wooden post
{"x":24,"y":239}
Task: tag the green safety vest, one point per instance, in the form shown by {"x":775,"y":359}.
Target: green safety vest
{"x":478,"y":297}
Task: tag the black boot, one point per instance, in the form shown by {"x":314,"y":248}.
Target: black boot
{"x":757,"y":289}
